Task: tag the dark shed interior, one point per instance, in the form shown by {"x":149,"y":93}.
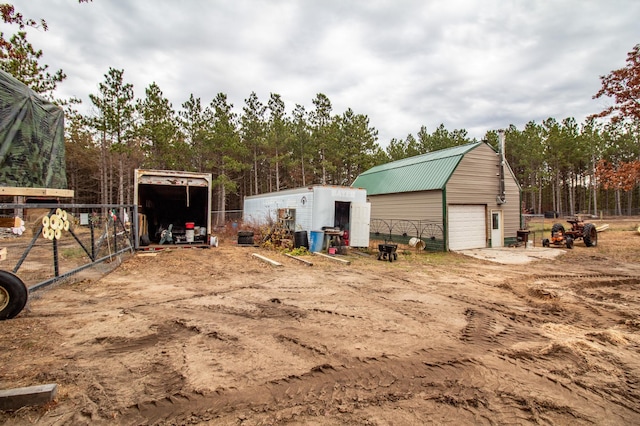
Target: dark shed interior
{"x":166,"y":205}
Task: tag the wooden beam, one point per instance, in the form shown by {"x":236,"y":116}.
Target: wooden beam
{"x":335,"y":259}
{"x":306,"y":262}
{"x":12,"y":399}
{"x":36,"y":192}
{"x":266,"y":259}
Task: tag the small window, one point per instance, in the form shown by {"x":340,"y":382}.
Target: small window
{"x":496,"y":220}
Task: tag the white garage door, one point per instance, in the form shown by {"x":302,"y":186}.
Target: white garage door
{"x":467,"y":227}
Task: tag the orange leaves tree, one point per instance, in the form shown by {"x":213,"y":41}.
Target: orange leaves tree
{"x":623,"y":176}
{"x":623,"y":85}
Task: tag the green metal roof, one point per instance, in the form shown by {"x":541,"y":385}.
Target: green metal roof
{"x":420,"y":173}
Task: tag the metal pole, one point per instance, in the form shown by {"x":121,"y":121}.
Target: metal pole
{"x":56,"y":268}
{"x":115,"y":234}
{"x":28,"y":249}
{"x":68,"y":274}
{"x":81,"y":245}
{"x":136,"y":229}
{"x":93,"y":239}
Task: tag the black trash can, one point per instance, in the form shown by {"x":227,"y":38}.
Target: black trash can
{"x":301,"y":239}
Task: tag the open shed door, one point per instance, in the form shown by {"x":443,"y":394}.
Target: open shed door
{"x":359,"y":226}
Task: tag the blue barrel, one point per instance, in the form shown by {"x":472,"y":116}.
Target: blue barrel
{"x":317,"y":239}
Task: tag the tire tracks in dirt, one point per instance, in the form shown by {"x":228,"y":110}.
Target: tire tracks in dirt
{"x":326,"y":389}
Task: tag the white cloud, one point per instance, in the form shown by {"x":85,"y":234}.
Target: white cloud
{"x":405,"y":63}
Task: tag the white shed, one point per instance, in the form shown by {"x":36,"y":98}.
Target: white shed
{"x":314,"y":208}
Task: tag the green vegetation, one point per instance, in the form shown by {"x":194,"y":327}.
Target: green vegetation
{"x":300,"y":251}
{"x":72,"y":253}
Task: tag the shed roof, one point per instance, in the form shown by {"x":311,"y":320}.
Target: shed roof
{"x":419,"y":173}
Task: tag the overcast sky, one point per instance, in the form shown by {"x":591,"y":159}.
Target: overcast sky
{"x":478,"y":65}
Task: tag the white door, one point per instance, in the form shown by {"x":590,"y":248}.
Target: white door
{"x":467,"y":227}
{"x":359,"y":224}
{"x":497,"y":238}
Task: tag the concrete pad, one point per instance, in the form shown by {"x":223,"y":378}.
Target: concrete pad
{"x":514,"y":255}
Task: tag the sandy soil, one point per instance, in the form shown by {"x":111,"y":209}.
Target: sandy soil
{"x":216,"y":336}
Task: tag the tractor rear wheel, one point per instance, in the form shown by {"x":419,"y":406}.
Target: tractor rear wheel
{"x":590,"y":235}
{"x":13,"y":295}
{"x":555,"y":228}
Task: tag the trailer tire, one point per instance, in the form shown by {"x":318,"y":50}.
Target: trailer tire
{"x":144,"y":240}
{"x":590,"y":235}
{"x":557,"y":227}
{"x":245,"y":237}
{"x":13,"y":295}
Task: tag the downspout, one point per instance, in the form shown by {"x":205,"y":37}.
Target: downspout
{"x":501,"y":198}
{"x":445,"y":233}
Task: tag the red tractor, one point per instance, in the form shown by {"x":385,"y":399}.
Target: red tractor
{"x":579,"y":229}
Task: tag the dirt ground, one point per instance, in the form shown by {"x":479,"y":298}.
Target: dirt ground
{"x":217,"y":336}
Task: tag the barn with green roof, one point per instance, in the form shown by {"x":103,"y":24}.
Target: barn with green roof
{"x":453,"y":199}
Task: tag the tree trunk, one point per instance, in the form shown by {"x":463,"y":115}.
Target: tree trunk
{"x":324,"y":169}
{"x":539,"y":195}
{"x":559,"y":205}
{"x":277,"y":171}
{"x":121,"y":185}
{"x":572,"y":196}
{"x":103,"y":171}
{"x":302,"y":164}
{"x":222,"y":196}
{"x":595,"y":198}
{"x":255,"y":170}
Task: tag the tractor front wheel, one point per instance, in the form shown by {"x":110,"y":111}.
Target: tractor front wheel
{"x":569,"y":242}
{"x":13,"y":295}
{"x":590,"y":235}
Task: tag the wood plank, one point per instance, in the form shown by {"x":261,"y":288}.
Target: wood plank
{"x":266,"y":259}
{"x":335,"y":259}
{"x":36,"y":192}
{"x":306,"y":262}
{"x":12,"y":399}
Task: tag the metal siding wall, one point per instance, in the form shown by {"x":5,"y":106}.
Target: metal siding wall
{"x":325,"y":198}
{"x":425,"y":205}
{"x":512,"y":207}
{"x":476,"y":181}
{"x":258,"y":209}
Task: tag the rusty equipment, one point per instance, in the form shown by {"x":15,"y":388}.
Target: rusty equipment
{"x":579,"y":230}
